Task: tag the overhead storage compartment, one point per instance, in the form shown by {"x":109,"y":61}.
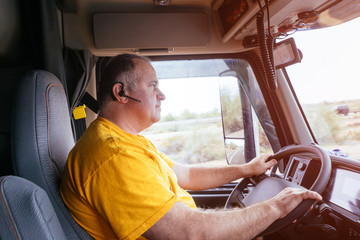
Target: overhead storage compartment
{"x":151,"y":30}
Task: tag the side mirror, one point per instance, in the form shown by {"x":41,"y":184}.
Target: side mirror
{"x":237,"y":119}
{"x":248,"y":128}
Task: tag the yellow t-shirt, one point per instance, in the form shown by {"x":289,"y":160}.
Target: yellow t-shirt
{"x":117,"y":185}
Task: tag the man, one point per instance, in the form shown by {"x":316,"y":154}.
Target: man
{"x":117,"y":185}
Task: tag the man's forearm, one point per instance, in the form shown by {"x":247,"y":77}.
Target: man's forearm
{"x":244,"y":223}
{"x":182,"y":222}
{"x":201,"y":178}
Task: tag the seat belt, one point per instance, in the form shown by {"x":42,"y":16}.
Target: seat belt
{"x":90,"y":102}
{"x":80,"y":115}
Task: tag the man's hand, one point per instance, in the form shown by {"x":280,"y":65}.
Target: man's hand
{"x":260,"y":164}
{"x":289,"y":198}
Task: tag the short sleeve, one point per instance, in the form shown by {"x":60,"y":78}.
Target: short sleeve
{"x":167,"y":160}
{"x":131,"y":192}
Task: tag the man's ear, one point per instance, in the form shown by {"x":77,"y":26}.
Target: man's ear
{"x":118,"y":93}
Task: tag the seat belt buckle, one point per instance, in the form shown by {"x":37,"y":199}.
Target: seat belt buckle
{"x":79,"y":112}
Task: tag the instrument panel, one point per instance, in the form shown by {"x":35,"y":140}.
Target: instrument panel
{"x":340,"y":208}
{"x":342,"y":191}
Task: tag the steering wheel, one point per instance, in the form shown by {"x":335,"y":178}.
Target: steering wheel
{"x":268,"y":187}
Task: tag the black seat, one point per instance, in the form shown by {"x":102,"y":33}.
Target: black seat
{"x":26,"y":211}
{"x":42,"y":138}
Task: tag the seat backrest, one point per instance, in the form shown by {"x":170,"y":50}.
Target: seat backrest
{"x":26,"y":211}
{"x":42,"y":139}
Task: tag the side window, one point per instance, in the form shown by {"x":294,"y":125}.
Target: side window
{"x":191,"y":129}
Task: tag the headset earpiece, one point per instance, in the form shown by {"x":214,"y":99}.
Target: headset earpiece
{"x":122,"y":92}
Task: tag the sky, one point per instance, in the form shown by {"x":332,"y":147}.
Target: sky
{"x":330,"y":64}
{"x":197,"y":95}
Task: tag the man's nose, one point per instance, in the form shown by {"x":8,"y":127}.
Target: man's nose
{"x":161,"y":95}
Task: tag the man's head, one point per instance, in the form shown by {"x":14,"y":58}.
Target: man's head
{"x":120,"y":68}
{"x":137,"y":78}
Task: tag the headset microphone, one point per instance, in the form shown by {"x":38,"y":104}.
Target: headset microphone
{"x":122,"y":93}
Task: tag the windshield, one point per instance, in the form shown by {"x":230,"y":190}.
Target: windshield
{"x":191,"y":128}
{"x":327,"y":84}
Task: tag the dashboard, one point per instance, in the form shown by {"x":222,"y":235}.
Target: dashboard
{"x":340,"y":208}
{"x":344,"y":191}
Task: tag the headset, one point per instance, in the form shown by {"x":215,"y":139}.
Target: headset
{"x":122,"y":93}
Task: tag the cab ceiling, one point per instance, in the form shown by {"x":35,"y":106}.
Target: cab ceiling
{"x":110,"y":27}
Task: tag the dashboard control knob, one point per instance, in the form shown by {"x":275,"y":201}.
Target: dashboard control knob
{"x":302,"y":166}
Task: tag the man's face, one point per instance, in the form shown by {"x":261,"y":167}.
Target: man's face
{"x":148,"y":92}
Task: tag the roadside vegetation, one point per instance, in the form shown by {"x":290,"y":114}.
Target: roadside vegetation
{"x":336,"y":130}
{"x":189,"y":137}
{"x":192,"y":138}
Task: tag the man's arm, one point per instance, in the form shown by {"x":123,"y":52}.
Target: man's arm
{"x":198,"y":177}
{"x":182,"y":222}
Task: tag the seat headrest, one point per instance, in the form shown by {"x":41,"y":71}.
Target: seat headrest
{"x":42,"y":126}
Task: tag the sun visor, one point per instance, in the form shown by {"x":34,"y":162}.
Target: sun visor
{"x":151,"y":30}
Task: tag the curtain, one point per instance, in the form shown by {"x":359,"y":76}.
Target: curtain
{"x":78,"y":69}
